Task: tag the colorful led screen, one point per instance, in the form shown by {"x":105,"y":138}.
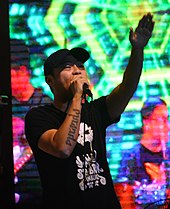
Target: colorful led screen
{"x":38,"y":28}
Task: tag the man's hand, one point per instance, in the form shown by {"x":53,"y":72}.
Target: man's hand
{"x":143,"y":32}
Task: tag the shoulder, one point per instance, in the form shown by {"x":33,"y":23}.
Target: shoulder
{"x":98,"y":103}
{"x":100,"y":100}
{"x":44,"y":111}
{"x":37,"y":110}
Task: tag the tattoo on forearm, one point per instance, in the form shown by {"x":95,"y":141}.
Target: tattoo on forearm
{"x":73,"y":126}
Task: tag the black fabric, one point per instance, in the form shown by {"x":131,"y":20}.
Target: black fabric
{"x":63,"y":179}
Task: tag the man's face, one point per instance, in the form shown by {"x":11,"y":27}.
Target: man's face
{"x":70,"y":70}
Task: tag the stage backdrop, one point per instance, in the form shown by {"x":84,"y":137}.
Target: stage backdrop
{"x":101,"y":27}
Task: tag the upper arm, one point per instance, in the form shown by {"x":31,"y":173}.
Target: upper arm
{"x":46,"y":142}
{"x":117,"y":101}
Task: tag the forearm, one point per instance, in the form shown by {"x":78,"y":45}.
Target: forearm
{"x":120,"y":96}
{"x":130,"y":79}
{"x":66,"y":137}
{"x":118,"y":99}
{"x":133,"y":71}
{"x":138,"y":39}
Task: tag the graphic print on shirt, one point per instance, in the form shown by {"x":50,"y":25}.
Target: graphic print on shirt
{"x":88,"y":168}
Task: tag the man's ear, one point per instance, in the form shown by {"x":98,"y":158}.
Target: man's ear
{"x":49,"y":80}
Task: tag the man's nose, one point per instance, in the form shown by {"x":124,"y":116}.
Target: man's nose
{"x":76,"y":70}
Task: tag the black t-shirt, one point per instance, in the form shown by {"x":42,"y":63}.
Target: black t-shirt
{"x":83,"y":180}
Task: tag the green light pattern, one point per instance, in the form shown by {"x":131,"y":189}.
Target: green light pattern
{"x":102,"y":27}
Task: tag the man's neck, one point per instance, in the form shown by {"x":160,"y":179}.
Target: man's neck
{"x":63,"y":106}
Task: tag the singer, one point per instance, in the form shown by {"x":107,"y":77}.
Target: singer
{"x":68,"y":137}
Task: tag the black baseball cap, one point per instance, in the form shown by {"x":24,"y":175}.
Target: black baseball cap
{"x":56,"y":59}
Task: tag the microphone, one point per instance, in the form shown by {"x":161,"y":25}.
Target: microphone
{"x":86,"y":90}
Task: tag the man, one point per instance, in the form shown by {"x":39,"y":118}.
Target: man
{"x":145,"y":165}
{"x":68,"y":137}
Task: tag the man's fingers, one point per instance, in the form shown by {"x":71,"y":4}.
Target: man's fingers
{"x":142,"y":21}
{"x":150,"y":26}
{"x":146,"y":32}
{"x":149,"y":23}
{"x":146,"y":22}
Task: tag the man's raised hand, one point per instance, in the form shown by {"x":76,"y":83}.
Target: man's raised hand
{"x":140,"y":37}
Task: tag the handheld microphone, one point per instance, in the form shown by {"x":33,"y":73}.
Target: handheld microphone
{"x":86,"y":90}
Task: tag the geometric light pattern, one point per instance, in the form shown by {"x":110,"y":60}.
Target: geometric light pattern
{"x":101,"y":27}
